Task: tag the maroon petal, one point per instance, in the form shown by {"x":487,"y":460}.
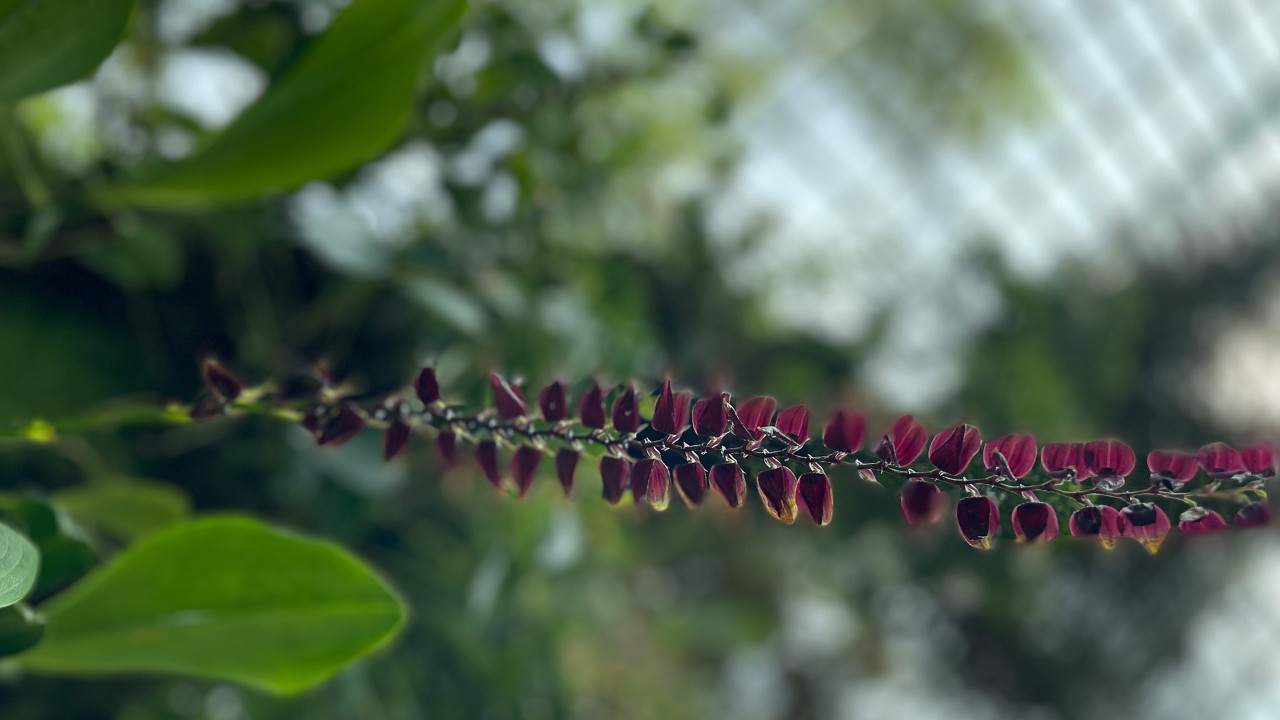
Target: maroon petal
{"x":651,"y":481}
{"x":1172,"y":469}
{"x":754,"y":414}
{"x":1101,"y":521}
{"x":710,"y":416}
{"x":813,"y":490}
{"x":794,"y":421}
{"x":447,"y":442}
{"x":953,"y":448}
{"x":664,"y":411}
{"x":487,"y":457}
{"x":626,"y":412}
{"x":683,"y":399}
{"x":1018,"y":452}
{"x":1034,"y":522}
{"x":346,"y":424}
{"x":523,"y":466}
{"x":729,"y":480}
{"x":1220,"y":460}
{"x":903,"y":443}
{"x":777,"y":488}
{"x":1062,"y":460}
{"x":1254,"y":514}
{"x":221,"y":382}
{"x":1200,"y":521}
{"x":591,"y":407}
{"x":845,"y":431}
{"x":1146,"y":523}
{"x":554,"y":402}
{"x":691,"y":482}
{"x":1259,"y":460}
{"x":566,"y":466}
{"x":1110,"y":461}
{"x":395,"y":439}
{"x":978,"y":519}
{"x":426,"y":386}
{"x":508,"y":399}
{"x":923,"y":503}
{"x":614,"y":474}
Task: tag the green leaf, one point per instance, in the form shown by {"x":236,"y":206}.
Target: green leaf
{"x":47,"y":43}
{"x":126,"y":509}
{"x":19,"y":565}
{"x":222,"y":597}
{"x":20,"y":629}
{"x":347,"y":99}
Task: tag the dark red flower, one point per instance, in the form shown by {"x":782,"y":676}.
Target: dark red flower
{"x":1220,"y":460}
{"x":1200,"y":521}
{"x":777,"y":488}
{"x":447,"y":442}
{"x":1101,"y":521}
{"x":426,"y":386}
{"x":683,"y":400}
{"x":566,"y":466}
{"x":1254,"y":514}
{"x":953,"y":448}
{"x":752,"y":415}
{"x":487,"y":457}
{"x":978,"y":519}
{"x":506,"y":398}
{"x":1011,"y":456}
{"x":710,"y":416}
{"x":626,"y":412}
{"x":221,"y":382}
{"x":794,"y":422}
{"x":691,"y":482}
{"x":1259,"y":460}
{"x":341,"y":426}
{"x":614,"y":474}
{"x":845,"y":431}
{"x":395,"y":439}
{"x":591,"y":406}
{"x":524,"y":464}
{"x":729,"y":480}
{"x":554,"y":402}
{"x":1063,"y":460}
{"x":1146,"y":523}
{"x":664,"y":411}
{"x":1034,"y":522}
{"x":651,"y":482}
{"x":1110,"y":461}
{"x":1171,"y":469}
{"x":923,"y":503}
{"x":813,"y":491}
{"x":903,"y":443}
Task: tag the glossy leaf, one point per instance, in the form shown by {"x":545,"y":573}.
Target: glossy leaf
{"x":347,"y":99}
{"x":47,"y":43}
{"x":125,"y":509}
{"x":19,"y":565}
{"x":226,"y":598}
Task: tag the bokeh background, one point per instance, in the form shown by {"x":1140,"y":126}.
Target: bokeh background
{"x":1056,"y":217}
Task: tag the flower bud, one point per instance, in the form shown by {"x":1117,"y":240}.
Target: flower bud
{"x":1062,"y":460}
{"x":813,"y":491}
{"x":221,"y":382}
{"x":710,"y":417}
{"x":845,"y":431}
{"x":341,"y":427}
{"x":447,"y":442}
{"x":524,"y":464}
{"x":1200,"y":521}
{"x":777,"y":487}
{"x":395,"y":439}
{"x":426,"y":387}
{"x":794,"y":422}
{"x":1034,"y":522}
{"x":487,"y":457}
{"x":1146,"y":523}
{"x":566,"y":465}
{"x":1012,"y":456}
{"x":626,"y":412}
{"x":903,"y":443}
{"x":953,"y":448}
{"x":1101,"y":521}
{"x":1110,"y":462}
{"x":651,"y":481}
{"x":591,"y":406}
{"x":1220,"y":460}
{"x":554,"y":402}
{"x":691,"y":482}
{"x":1171,"y":469}
{"x":664,"y":410}
{"x":753,"y":415}
{"x":614,"y":474}
{"x":978,"y":519}
{"x":1254,"y":514}
{"x":728,"y":479}
{"x":922,"y":502}
{"x":1259,"y":460}
{"x":506,"y":398}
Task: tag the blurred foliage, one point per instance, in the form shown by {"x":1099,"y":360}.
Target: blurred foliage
{"x":543,"y":212}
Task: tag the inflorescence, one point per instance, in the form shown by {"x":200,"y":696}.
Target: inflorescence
{"x":648,"y":444}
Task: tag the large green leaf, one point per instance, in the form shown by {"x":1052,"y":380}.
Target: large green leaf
{"x":347,"y":99}
{"x":223,"y":597}
{"x":126,"y":509}
{"x":19,"y":565}
{"x":46,"y":43}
